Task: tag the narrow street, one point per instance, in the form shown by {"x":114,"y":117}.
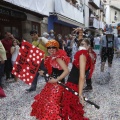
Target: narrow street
{"x":17,"y":104}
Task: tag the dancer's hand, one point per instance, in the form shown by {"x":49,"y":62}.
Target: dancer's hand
{"x":52,"y":80}
{"x":77,"y":30}
{"x":81,"y":100}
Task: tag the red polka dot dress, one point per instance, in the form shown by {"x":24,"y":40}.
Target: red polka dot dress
{"x":72,"y":109}
{"x":47,"y":103}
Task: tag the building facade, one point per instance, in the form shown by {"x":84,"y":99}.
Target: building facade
{"x":94,"y":17}
{"x":20,"y":17}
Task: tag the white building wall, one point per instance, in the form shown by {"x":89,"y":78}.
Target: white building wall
{"x":113,"y":15}
{"x":108,"y":21}
{"x":86,"y":13}
{"x":38,"y":6}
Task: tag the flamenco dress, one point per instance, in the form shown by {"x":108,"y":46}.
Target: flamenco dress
{"x":47,"y":103}
{"x":72,"y":109}
{"x":2,"y":93}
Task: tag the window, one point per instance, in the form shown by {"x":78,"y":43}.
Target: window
{"x":36,"y":26}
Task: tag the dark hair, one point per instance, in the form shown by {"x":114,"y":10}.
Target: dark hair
{"x":33,"y":32}
{"x":14,"y":41}
{"x":86,"y":40}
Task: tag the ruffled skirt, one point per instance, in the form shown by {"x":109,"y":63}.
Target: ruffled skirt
{"x":71,"y":107}
{"x":47,"y":104}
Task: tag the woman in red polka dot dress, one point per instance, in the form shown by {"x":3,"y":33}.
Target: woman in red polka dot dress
{"x":72,"y":105}
{"x":47,"y":104}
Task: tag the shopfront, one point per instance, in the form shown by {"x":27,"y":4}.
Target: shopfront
{"x":10,"y":21}
{"x":64,"y":18}
{"x":61,"y":25}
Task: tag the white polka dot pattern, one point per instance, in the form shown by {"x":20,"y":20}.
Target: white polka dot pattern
{"x":27,"y":62}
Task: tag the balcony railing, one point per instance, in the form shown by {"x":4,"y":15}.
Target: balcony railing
{"x":93,"y":3}
{"x":94,"y":23}
{"x":101,"y":7}
{"x":62,"y":7}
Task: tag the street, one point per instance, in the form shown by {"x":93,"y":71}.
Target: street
{"x":17,"y":104}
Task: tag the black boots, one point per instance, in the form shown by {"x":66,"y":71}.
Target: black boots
{"x":89,"y":85}
{"x":32,"y":88}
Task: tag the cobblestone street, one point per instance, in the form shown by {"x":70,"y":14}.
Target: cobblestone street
{"x":17,"y":104}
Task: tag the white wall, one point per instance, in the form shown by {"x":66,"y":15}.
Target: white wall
{"x":39,"y":6}
{"x":86,"y":8}
{"x":113,"y":15}
{"x":107,"y":14}
{"x":97,"y":2}
{"x":66,"y":9}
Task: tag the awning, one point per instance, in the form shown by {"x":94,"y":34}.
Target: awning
{"x":67,"y":20}
{"x":36,"y":6}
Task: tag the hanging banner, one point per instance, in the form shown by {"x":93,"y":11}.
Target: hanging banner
{"x":27,"y":62}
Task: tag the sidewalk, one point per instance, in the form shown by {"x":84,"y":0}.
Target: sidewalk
{"x":17,"y":104}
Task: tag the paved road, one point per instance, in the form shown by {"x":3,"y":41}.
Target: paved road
{"x":17,"y":104}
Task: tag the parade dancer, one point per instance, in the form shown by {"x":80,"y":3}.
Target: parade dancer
{"x":93,"y":57}
{"x":47,"y":103}
{"x":72,"y":106}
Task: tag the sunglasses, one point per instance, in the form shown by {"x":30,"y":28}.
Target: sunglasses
{"x":51,"y":47}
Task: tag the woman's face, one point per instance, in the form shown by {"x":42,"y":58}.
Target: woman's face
{"x":14,"y":43}
{"x":84,"y":44}
{"x":52,"y":50}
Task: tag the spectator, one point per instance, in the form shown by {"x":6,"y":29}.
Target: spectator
{"x":51,"y":35}
{"x":2,"y":61}
{"x":14,"y":51}
{"x":60,"y":41}
{"x":46,"y":35}
{"x":68,"y":46}
{"x":97,"y":44}
{"x":7,"y":43}
{"x":38,"y":43}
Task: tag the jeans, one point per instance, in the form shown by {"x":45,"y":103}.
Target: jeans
{"x":1,"y":72}
{"x":34,"y":83}
{"x":8,"y":68}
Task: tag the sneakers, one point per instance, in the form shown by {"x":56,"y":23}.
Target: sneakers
{"x":87,"y":88}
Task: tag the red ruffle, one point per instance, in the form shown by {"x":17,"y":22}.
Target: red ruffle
{"x":71,"y":107}
{"x":2,"y":93}
{"x":92,"y":66}
{"x":47,"y":104}
{"x":51,"y":61}
{"x":77,"y":55}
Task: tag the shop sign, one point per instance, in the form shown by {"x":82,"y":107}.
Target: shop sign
{"x":12,"y":13}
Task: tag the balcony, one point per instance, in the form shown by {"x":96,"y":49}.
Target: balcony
{"x":94,"y":23}
{"x":94,"y":4}
{"x":63,"y":8}
{"x":101,"y":6}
